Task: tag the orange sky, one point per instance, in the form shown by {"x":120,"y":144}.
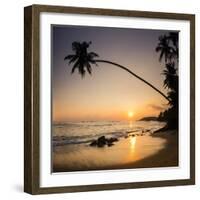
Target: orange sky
{"x":110,"y":93}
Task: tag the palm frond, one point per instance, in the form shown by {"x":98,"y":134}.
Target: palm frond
{"x":82,"y":58}
{"x":69,"y":57}
{"x":73,"y":59}
{"x":89,"y":69}
{"x":161,"y":56}
{"x":93,"y":54}
{"x":74,"y":67}
{"x":158,"y":48}
{"x":81,"y":70}
{"x":76,"y":46}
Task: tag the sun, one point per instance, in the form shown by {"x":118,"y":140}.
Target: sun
{"x":130,"y":114}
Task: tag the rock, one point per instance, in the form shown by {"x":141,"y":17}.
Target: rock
{"x":102,"y":141}
{"x":110,"y":144}
{"x":93,"y":143}
{"x":112,"y":139}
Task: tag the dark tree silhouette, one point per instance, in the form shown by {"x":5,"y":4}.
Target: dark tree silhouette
{"x":83,"y":60}
{"x":171,"y":77}
{"x":164,"y":48}
{"x":173,"y":37}
{"x":168,"y":47}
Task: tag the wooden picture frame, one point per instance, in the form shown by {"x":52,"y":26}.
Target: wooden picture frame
{"x":32,"y":97}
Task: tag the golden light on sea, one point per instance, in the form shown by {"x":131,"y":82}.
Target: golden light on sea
{"x":132,"y":144}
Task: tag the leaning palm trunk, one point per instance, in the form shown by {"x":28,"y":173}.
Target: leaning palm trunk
{"x":83,"y":60}
{"x":124,"y":68}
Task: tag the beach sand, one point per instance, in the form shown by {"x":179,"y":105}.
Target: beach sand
{"x":156,"y":150}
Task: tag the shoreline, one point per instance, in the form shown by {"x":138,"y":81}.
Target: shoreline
{"x":165,"y":157}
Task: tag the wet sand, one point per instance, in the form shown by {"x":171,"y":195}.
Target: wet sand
{"x":158,"y":150}
{"x":166,"y":157}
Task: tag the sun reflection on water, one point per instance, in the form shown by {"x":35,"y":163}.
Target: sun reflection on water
{"x":130,"y":124}
{"x":133,"y":143}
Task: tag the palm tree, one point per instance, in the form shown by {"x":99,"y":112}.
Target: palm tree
{"x":173,"y":37}
{"x":83,"y":60}
{"x":168,"y":48}
{"x":171,"y":78}
{"x":164,"y":48}
{"x":173,"y":96}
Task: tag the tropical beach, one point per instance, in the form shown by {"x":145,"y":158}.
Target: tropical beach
{"x":114,"y":98}
{"x":128,"y":153}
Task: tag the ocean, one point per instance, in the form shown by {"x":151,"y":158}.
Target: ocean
{"x":65,"y":133}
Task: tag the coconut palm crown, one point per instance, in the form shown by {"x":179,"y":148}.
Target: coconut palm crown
{"x":164,"y":48}
{"x":168,"y":47}
{"x":82,"y":58}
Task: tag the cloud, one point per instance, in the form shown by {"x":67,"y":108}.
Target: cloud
{"x":156,"y":107}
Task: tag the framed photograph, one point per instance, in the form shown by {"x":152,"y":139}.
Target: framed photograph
{"x":109,"y":99}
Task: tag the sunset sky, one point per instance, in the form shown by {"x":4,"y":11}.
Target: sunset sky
{"x":109,"y":93}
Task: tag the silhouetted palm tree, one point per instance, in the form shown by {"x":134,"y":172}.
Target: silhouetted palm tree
{"x":173,"y":96}
{"x":164,"y":48}
{"x":173,"y":37}
{"x":168,"y":48}
{"x":171,"y":78}
{"x":83,"y":59}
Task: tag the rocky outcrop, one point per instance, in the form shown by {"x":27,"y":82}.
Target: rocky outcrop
{"x":102,"y":141}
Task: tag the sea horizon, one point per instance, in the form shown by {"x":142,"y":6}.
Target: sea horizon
{"x":69,"y":132}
